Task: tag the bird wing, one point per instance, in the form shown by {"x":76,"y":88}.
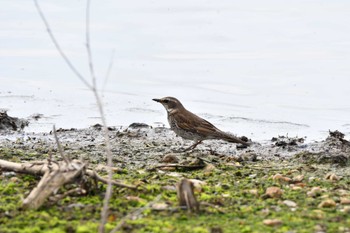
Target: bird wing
{"x":195,"y":124}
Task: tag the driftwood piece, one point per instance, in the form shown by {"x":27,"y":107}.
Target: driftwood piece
{"x":52,"y":180}
{"x":188,"y":167}
{"x":35,"y":168}
{"x":55,"y":175}
{"x":185,"y":195}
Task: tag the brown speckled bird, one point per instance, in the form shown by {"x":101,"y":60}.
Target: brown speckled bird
{"x":192,"y":127}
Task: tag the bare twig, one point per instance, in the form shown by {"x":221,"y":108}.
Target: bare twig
{"x":135,"y":214}
{"x":191,"y":167}
{"x":185,"y":195}
{"x":88,"y":47}
{"x":109,"y":164}
{"x":93,"y":174}
{"x":58,"y":47}
{"x":93,"y":88}
{"x":104,"y":211}
{"x":65,"y":158}
{"x":110,"y":65}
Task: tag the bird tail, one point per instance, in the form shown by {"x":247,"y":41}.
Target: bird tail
{"x":230,"y":138}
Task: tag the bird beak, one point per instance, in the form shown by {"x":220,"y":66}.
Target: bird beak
{"x":157,"y":100}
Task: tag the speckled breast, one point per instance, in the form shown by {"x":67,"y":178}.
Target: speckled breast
{"x":181,"y":132}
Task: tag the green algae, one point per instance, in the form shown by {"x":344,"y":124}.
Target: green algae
{"x":234,"y":207}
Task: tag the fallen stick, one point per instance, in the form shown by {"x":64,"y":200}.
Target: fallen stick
{"x":52,"y":180}
{"x":55,"y":175}
{"x":192,"y":167}
{"x":185,"y":195}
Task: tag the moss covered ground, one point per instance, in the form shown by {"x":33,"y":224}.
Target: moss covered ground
{"x":313,"y":198}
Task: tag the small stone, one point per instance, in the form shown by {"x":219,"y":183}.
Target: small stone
{"x":332,"y":177}
{"x":293,"y":187}
{"x":292,"y":171}
{"x":137,"y":125}
{"x":346,"y":209}
{"x":198,"y":184}
{"x":272,"y":222}
{"x":343,"y":192}
{"x":289,"y":203}
{"x":254,"y":192}
{"x":134,"y":198}
{"x":298,"y":178}
{"x":252,"y":176}
{"x":320,"y":229}
{"x":160,"y":206}
{"x":315,"y":191}
{"x":14,"y":179}
{"x":274,"y":192}
{"x":249,"y":156}
{"x":318,"y":214}
{"x":327,"y":204}
{"x":174,"y":174}
{"x":344,"y":201}
{"x":169,"y":188}
{"x":279,"y":177}
{"x":302,"y":185}
{"x":209,"y":168}
{"x":170,"y":158}
{"x":8,"y":174}
{"x":216,"y":230}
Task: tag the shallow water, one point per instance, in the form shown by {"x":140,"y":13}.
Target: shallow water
{"x":255,"y":68}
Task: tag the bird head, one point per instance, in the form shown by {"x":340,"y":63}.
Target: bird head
{"x":169,"y":103}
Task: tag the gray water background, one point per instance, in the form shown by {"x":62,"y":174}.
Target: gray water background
{"x":254,"y":68}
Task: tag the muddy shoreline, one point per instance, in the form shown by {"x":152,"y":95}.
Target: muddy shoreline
{"x":142,"y":146}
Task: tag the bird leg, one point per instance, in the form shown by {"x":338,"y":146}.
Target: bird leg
{"x":193,"y":146}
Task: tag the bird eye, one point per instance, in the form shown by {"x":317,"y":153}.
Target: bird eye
{"x":166,"y":101}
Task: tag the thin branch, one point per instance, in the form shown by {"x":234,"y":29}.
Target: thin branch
{"x":65,"y":158}
{"x":39,"y":168}
{"x":108,"y":195}
{"x":98,"y":101}
{"x":58,"y":47}
{"x":110,"y":65}
{"x":88,"y":48}
{"x":93,"y":174}
{"x":104,"y":212}
{"x":192,"y":167}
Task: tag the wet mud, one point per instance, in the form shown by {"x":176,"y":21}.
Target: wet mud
{"x":142,"y":146}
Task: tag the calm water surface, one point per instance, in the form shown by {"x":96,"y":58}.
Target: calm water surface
{"x":255,"y":68}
